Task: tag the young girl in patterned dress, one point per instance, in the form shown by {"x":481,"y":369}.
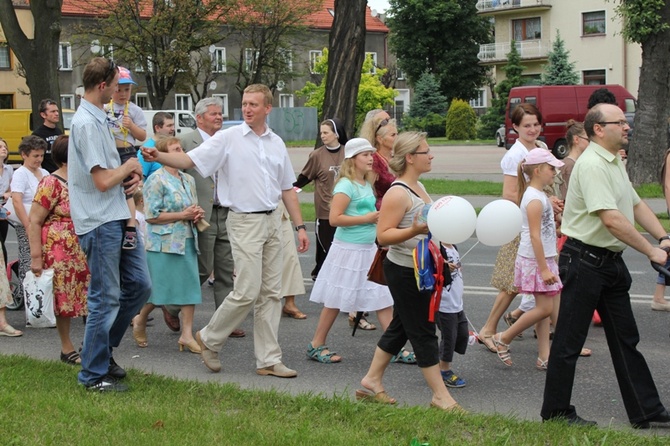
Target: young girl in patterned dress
{"x":535,"y":269}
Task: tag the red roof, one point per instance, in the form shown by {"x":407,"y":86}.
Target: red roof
{"x":322,"y":19}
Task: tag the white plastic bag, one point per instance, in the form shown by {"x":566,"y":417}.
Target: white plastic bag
{"x":39,"y":299}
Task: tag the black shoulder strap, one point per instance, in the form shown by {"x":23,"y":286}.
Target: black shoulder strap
{"x":59,"y":177}
{"x":398,"y":183}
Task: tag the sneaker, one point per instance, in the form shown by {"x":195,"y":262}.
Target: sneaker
{"x":115,"y":370}
{"x":107,"y":384}
{"x":452,"y":380}
{"x":129,"y":239}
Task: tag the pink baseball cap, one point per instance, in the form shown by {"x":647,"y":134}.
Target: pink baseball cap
{"x":541,"y":156}
{"x":125,"y":76}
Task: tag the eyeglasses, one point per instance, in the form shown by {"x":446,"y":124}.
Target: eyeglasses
{"x":583,"y":137}
{"x":621,"y":123}
{"x":111,"y":68}
{"x":382,"y":124}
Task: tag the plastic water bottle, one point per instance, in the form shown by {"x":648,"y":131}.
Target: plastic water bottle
{"x":423,"y":217}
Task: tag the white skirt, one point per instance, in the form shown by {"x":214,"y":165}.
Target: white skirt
{"x":343,"y":282}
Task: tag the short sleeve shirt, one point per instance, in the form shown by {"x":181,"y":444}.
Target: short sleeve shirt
{"x":598,"y":182}
{"x":547,"y":225}
{"x":510,"y":162}
{"x":323,"y":167}
{"x":362,"y":201}
{"x":115,"y":118}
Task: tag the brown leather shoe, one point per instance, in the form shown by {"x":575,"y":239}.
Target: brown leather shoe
{"x":209,"y":357}
{"x":171,"y":321}
{"x":237,"y":333}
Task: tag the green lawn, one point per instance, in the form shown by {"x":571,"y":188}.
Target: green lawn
{"x":43,"y":405}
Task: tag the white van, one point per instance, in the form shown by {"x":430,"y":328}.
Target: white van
{"x":184,"y":121}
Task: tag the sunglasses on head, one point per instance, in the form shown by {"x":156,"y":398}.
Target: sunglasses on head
{"x":382,"y":124}
{"x":111,"y":68}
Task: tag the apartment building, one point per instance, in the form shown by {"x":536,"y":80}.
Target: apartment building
{"x":13,"y":88}
{"x":591,"y":31}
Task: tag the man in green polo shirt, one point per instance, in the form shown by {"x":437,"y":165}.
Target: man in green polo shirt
{"x":600,"y":210}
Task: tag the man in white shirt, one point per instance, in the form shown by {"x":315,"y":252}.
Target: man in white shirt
{"x":254,"y":173}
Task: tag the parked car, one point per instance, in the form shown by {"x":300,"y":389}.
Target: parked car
{"x":500,"y":136}
{"x":15,"y":123}
{"x":558,"y":104}
{"x":184,"y":121}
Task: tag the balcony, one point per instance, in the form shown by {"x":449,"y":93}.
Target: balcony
{"x":528,"y":49}
{"x":502,"y":6}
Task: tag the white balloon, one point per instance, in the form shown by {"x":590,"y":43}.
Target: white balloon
{"x":452,"y":219}
{"x":498,"y":223}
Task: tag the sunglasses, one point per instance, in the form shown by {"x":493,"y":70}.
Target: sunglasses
{"x":111,"y":68}
{"x":382,"y":124}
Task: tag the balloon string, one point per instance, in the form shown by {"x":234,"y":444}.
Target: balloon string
{"x":471,"y":248}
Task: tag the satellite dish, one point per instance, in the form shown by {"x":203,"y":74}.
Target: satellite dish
{"x":281,"y":85}
{"x":212,"y":85}
{"x":374,"y":13}
{"x":79,"y":91}
{"x":95,"y":47}
{"x":212,"y":48}
{"x":173,"y":44}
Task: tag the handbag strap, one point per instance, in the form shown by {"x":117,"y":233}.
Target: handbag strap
{"x":398,"y":183}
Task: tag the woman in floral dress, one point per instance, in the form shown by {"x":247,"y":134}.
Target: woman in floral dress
{"x":54,"y":245}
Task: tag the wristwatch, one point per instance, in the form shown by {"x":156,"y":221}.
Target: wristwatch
{"x":299,"y":227}
{"x":665,"y":237}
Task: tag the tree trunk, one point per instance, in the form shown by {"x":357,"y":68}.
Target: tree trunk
{"x":650,"y":138}
{"x":346,"y":53}
{"x":38,"y":56}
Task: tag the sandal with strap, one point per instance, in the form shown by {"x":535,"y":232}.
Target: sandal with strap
{"x":503,"y":355}
{"x":541,"y":365}
{"x":71,"y":358}
{"x":403,"y":358}
{"x":363,"y":324}
{"x":369,"y":396}
{"x":317,"y":354}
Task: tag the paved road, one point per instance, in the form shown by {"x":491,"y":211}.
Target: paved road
{"x":492,"y":387}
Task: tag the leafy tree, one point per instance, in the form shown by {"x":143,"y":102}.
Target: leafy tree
{"x":495,"y":115}
{"x":347,"y":53}
{"x":266,"y":32}
{"x":441,"y":38}
{"x":38,"y":56}
{"x":161,"y":37}
{"x":648,"y":22}
{"x":371,"y":92}
{"x":461,"y":121}
{"x":559,"y":70}
{"x":427,"y":97}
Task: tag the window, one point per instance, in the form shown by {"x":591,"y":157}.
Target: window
{"x":142,"y":101}
{"x":286,"y":56}
{"x":285,"y":100}
{"x":102,"y":50}
{"x":527,"y":29}
{"x":6,"y":101}
{"x":399,"y":74}
{"x":65,"y":56}
{"x":67,"y":101}
{"x":224,"y":99}
{"x":139,"y":68}
{"x":314,"y":56}
{"x":594,"y":77}
{"x":373,"y":56}
{"x":593,"y":23}
{"x":182,"y":102}
{"x":250,"y":59}
{"x":5,"y":60}
{"x":480,"y":101}
{"x":219,"y":60}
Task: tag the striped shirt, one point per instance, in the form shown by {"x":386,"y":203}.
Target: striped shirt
{"x":92,"y":144}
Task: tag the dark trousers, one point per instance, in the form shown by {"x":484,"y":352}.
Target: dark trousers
{"x":4,"y":227}
{"x":596,"y":278}
{"x":410,"y":317}
{"x":324,"y":238}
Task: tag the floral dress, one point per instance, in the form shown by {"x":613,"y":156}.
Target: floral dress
{"x":61,"y":250}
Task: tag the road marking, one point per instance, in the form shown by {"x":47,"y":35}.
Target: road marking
{"x":490,"y":291}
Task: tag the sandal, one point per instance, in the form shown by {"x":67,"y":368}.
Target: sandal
{"x":363,"y":324}
{"x":455,"y":408}
{"x":503,"y":355}
{"x":482,"y":340}
{"x":10,"y":331}
{"x":318,"y":354}
{"x":140,"y":335}
{"x":510,"y":320}
{"x":369,"y":396}
{"x":541,"y":365}
{"x":586,"y":352}
{"x":71,"y":358}
{"x":401,"y":357}
{"x":295,"y":314}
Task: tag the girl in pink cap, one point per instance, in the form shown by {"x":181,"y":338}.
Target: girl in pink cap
{"x":535,"y":268}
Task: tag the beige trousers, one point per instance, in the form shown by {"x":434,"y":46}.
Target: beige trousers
{"x":256,"y":243}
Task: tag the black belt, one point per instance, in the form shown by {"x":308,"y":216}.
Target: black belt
{"x":589,"y":251}
{"x":218,"y":206}
{"x":260,"y":212}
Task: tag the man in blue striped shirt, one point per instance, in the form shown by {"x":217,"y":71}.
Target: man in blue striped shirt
{"x":120,"y":283}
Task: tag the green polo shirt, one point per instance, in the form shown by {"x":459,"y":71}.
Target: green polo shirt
{"x":598,"y":182}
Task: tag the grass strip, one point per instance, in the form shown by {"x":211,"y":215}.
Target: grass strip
{"x":43,"y":404}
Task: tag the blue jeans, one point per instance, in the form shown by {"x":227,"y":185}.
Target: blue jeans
{"x":119,"y":287}
{"x":596,"y":278}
